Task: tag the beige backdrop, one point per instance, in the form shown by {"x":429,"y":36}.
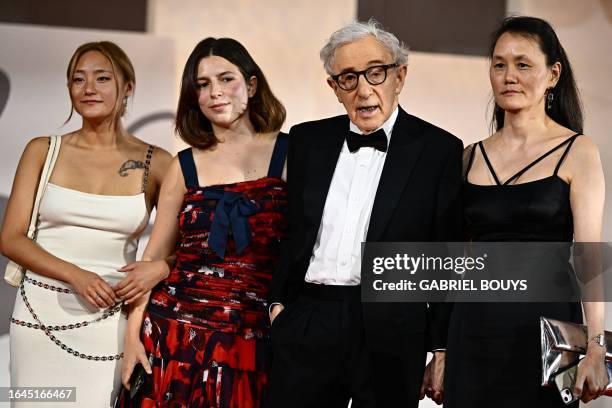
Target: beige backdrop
{"x":450,"y":91}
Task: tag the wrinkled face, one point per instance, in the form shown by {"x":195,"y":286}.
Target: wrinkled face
{"x":93,"y":87}
{"x":519,"y":74}
{"x":223,"y":93}
{"x":368,"y":106}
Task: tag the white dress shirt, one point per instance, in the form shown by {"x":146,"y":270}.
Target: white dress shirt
{"x":336,"y":256}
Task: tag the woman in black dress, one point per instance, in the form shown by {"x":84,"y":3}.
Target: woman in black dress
{"x":537,"y":178}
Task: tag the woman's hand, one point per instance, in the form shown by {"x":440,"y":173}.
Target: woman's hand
{"x":592,"y":377}
{"x":133,"y":354}
{"x":142,"y":276}
{"x":95,"y":290}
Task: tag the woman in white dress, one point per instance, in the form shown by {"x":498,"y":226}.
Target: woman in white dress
{"x":95,"y":207}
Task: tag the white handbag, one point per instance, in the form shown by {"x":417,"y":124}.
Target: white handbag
{"x":13,"y":273}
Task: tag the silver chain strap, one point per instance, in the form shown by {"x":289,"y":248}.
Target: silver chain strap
{"x":46,"y":285}
{"x":47,"y":329}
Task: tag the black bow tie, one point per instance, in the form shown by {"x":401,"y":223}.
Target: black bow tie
{"x":377,"y":140}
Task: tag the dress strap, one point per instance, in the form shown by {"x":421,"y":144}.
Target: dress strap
{"x":279,"y":155}
{"x":484,"y":155}
{"x":188,"y":168}
{"x":569,"y":141}
{"x":569,"y":145}
{"x":470,"y":161}
{"x":145,"y":176}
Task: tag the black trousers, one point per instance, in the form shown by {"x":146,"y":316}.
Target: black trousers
{"x":319,"y":355}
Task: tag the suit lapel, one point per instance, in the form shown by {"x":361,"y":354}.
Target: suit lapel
{"x":404,"y":150}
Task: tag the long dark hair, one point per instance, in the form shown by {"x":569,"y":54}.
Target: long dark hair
{"x":266,"y":112}
{"x":566,"y":108}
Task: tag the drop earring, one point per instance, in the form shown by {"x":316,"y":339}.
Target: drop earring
{"x":549,"y":99}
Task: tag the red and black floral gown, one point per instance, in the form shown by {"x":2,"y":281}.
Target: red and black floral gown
{"x":206,"y":328}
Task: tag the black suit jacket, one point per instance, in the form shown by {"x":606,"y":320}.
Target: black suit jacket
{"x":417,"y":200}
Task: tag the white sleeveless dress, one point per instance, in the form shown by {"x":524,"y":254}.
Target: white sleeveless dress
{"x":99,"y":234}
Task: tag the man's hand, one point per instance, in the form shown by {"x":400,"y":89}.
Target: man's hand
{"x":276,"y":309}
{"x":433,"y":379}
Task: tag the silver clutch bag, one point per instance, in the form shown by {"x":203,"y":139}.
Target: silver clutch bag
{"x":562,"y":344}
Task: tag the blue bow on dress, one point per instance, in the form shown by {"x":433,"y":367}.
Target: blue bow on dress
{"x":232,"y":211}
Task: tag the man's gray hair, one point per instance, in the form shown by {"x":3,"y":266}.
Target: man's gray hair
{"x":357,"y":30}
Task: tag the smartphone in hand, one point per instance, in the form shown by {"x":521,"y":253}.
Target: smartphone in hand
{"x":137,"y":380}
{"x":566,"y":381}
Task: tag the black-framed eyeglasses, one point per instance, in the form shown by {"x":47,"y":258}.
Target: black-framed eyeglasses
{"x":375,"y":75}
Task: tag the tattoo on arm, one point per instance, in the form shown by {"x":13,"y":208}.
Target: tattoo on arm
{"x":130,"y":165}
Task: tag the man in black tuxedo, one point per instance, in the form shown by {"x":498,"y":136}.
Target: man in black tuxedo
{"x":376,"y":174}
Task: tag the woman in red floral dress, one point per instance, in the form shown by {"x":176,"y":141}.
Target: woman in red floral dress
{"x":204,"y":335}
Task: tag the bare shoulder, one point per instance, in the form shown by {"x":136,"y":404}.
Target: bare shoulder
{"x":585,"y":145}
{"x":160,"y":163}
{"x":168,"y":166}
{"x":584,"y":152}
{"x":36,"y":151}
{"x":583,"y":158}
{"x":161,"y":158}
{"x":29,"y":167}
{"x":173,"y":174}
{"x":470,"y":149}
{"x":491,"y":140}
{"x":37,"y":145}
